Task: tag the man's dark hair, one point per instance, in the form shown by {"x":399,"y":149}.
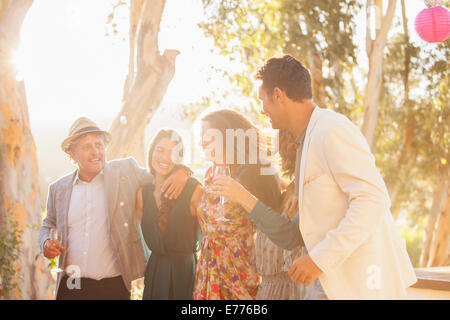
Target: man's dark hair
{"x":288,"y":74}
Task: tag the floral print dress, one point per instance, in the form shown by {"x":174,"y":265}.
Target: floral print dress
{"x":226,"y":269}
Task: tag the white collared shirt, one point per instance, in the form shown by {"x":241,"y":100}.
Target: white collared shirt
{"x":88,"y":241}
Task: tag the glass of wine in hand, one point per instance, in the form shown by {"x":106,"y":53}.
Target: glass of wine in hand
{"x":54,"y":237}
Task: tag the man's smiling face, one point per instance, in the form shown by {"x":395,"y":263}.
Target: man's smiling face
{"x":89,"y":153}
{"x":271,"y":108}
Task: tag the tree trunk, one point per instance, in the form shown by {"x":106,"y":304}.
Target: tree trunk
{"x":434,"y":235}
{"x":375,"y":53}
{"x":435,"y":250}
{"x":19,"y":187}
{"x":148,"y":77}
{"x":439,"y":249}
{"x":408,"y":154}
{"x":405,"y":165}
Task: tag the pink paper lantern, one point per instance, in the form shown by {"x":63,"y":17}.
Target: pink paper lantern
{"x":433,"y":24}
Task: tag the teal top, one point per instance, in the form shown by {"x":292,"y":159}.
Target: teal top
{"x":170,"y":272}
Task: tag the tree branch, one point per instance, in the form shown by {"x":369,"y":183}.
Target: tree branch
{"x":147,"y":49}
{"x":10,"y":27}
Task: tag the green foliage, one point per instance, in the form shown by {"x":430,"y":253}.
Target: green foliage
{"x":437,"y":100}
{"x":251,"y":31}
{"x":414,"y":240}
{"x":248,"y":32}
{"x":424,"y":116}
{"x":10,"y":242}
{"x":192,"y":111}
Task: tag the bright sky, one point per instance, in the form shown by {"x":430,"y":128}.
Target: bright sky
{"x":71,"y":68}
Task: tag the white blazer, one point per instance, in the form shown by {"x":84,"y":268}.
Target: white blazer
{"x":345,"y":217}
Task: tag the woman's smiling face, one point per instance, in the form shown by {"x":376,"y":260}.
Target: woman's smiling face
{"x":162,"y":161}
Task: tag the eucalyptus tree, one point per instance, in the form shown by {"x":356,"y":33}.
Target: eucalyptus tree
{"x":23,"y":273}
{"x":149,"y":75}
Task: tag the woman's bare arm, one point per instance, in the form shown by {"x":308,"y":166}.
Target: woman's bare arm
{"x":196,"y":198}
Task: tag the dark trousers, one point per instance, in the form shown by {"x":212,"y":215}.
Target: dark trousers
{"x":90,"y":289}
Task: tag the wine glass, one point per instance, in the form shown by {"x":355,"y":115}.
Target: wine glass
{"x":222,"y":171}
{"x":54,"y":236}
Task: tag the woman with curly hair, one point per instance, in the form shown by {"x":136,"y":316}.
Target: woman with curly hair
{"x":231,"y":261}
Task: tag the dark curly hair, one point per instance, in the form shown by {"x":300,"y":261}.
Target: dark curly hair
{"x":265,"y":187}
{"x":230,"y":119}
{"x":288,"y":152}
{"x":288,"y":74}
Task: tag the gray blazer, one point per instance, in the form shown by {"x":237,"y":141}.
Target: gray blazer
{"x":122,"y":178}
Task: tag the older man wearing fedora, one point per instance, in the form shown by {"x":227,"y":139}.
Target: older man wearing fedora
{"x":92,"y":212}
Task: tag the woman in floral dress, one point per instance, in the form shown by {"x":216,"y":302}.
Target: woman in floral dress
{"x":272,"y":261}
{"x":226,"y":268}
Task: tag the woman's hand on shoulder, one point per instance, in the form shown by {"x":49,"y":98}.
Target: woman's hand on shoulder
{"x":290,"y":202}
{"x":174,"y":184}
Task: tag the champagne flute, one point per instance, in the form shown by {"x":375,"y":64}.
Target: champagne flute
{"x":55,"y":237}
{"x":222,"y":171}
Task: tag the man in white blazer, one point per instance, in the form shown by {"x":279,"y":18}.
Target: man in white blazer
{"x":354,"y":247}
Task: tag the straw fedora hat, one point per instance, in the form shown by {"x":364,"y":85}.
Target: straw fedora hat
{"x":80,"y":127}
